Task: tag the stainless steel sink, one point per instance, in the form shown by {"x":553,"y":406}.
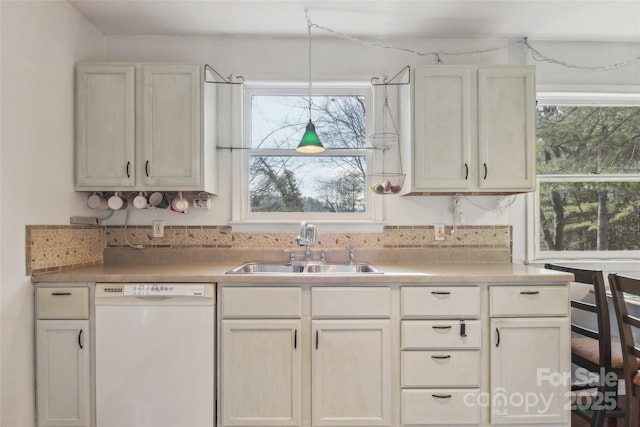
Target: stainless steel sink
{"x":342,"y":268}
{"x":304,"y":268}
{"x":260,"y":267}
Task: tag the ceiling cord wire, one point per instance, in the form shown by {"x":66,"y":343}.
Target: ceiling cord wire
{"x":524,"y":42}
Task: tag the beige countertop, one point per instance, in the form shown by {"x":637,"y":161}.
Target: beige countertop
{"x":392,"y":273}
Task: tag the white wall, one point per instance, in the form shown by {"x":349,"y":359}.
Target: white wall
{"x":41,"y":41}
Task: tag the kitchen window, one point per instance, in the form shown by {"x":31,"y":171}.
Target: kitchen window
{"x":280,"y":184}
{"x":587,"y":204}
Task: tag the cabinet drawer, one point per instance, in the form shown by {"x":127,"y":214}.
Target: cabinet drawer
{"x":457,"y":368}
{"x":440,"y":407}
{"x":255,"y":302}
{"x":449,"y":301}
{"x":519,"y":301}
{"x":62,"y":303}
{"x":425,"y":334}
{"x":365,"y":302}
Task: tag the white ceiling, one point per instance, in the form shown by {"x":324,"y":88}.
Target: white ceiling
{"x":584,"y":20}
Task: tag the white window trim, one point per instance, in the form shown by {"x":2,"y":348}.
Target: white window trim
{"x":243,"y":220}
{"x":533,"y":252}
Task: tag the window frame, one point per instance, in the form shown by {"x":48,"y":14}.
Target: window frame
{"x":533,"y":249}
{"x":241,"y":214}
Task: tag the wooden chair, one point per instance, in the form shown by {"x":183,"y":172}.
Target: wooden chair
{"x":594,"y":351}
{"x":628,"y":324}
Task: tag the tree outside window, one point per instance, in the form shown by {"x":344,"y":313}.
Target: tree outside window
{"x":588,"y":165}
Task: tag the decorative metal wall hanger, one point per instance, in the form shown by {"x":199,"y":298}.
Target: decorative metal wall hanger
{"x":231,"y":80}
{"x":390,"y":82}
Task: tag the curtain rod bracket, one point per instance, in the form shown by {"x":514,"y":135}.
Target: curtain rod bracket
{"x":228,"y":81}
{"x":390,"y":82}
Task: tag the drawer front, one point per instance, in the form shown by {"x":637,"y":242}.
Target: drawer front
{"x":261,"y":302}
{"x":436,"y":334}
{"x":534,"y":300}
{"x":433,"y":301}
{"x":452,"y":368}
{"x":349,"y":302}
{"x":438,"y":407}
{"x":62,"y":303}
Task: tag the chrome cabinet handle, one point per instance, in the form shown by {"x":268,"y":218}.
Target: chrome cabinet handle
{"x":128,"y":169}
{"x":60,"y":294}
{"x":440,"y":357}
{"x":529,"y":292}
{"x":80,"y":340}
{"x":497,"y":337}
{"x":466,"y":171}
{"x":485,"y":170}
{"x":441,"y":396}
{"x":440,"y":293}
{"x":441,"y":327}
{"x":146,"y":168}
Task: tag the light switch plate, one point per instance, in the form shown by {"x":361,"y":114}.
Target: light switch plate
{"x":439,"y":231}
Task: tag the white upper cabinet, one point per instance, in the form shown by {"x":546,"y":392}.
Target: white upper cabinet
{"x":442,"y":128}
{"x":506,"y":128}
{"x":469,"y":129}
{"x":106,"y":129}
{"x":145,"y":127}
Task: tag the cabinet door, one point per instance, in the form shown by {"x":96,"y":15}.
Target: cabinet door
{"x":105,"y":120}
{"x":530,"y":370}
{"x":351,"y":373}
{"x":442,"y":128}
{"x":506,"y":128}
{"x":171,"y":125}
{"x":261,"y":373}
{"x":62,"y":373}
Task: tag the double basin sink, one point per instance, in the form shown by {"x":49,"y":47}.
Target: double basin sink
{"x":304,"y":268}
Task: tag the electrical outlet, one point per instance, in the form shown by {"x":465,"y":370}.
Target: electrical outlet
{"x":158,"y":228}
{"x":439,"y":231}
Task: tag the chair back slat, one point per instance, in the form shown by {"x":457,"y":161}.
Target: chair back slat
{"x":632,"y":320}
{"x":590,"y":333}
{"x":586,"y":306}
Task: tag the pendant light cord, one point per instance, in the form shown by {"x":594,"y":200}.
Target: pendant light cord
{"x":309,"y":25}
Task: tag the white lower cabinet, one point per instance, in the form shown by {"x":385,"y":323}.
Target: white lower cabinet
{"x":351,"y":373}
{"x":63,"y":368}
{"x":440,"y":358}
{"x":261,"y":365}
{"x":302,"y":356}
{"x":342,"y":355}
{"x":530,"y":370}
{"x":260,"y":356}
{"x":530,"y":355}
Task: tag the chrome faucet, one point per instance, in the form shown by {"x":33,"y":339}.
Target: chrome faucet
{"x":307,"y":238}
{"x":352,"y":254}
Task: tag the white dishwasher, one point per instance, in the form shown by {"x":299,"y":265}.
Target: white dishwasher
{"x":155,"y":358}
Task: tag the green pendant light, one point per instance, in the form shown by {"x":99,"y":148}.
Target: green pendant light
{"x":310,"y":142}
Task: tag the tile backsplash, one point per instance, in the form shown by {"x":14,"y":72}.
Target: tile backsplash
{"x":51,"y":248}
{"x":58,"y":247}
